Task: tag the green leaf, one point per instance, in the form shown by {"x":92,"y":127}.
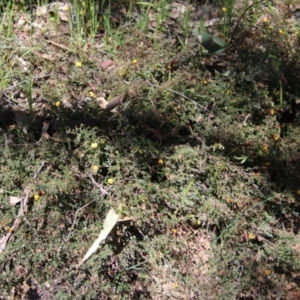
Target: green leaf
{"x":242,"y":159}
{"x":145,"y":4}
{"x":217,"y":40}
{"x":196,"y":34}
{"x":213,"y":44}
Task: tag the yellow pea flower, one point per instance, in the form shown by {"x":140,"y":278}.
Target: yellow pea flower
{"x":251,"y":236}
{"x":268,"y":272}
{"x":94,"y":145}
{"x":265,"y":20}
{"x":91,"y":94}
{"x":95,"y":168}
{"x":36,"y":197}
{"x":110,"y":181}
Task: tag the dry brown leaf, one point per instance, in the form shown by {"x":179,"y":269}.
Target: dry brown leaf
{"x":102,"y":102}
{"x":108,"y":225}
{"x":14,"y":200}
{"x":62,"y":9}
{"x":3,"y":241}
{"x":107,"y":63}
{"x":178,"y":10}
{"x":116,"y":101}
{"x":157,"y":133}
{"x":43,"y":55}
{"x":44,"y":131}
{"x":112,"y":104}
{"x":41,"y":10}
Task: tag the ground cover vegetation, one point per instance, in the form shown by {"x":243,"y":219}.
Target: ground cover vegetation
{"x":181,"y":118}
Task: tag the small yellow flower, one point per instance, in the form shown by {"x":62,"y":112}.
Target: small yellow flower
{"x":271,"y":111}
{"x":95,"y":168}
{"x":174,"y":230}
{"x":251,"y":236}
{"x":80,"y":154}
{"x":265,"y":20}
{"x":36,"y":197}
{"x":57,"y":103}
{"x":134,"y":61}
{"x":224,"y":9}
{"x":110,"y":181}
{"x":276,"y":137}
{"x":94,"y":145}
{"x":175,"y":285}
{"x":265,"y":148}
{"x":123,"y":73}
{"x":204,"y":81}
{"x":66,"y":7}
{"x":160,"y":162}
{"x":270,"y":27}
{"x":82,"y":12}
{"x":12,"y":127}
{"x":281,"y":31}
{"x":10,"y":229}
{"x":228,"y":92}
{"x":268,"y":272}
{"x":78,"y":64}
{"x":91,"y":94}
{"x":229,"y":200}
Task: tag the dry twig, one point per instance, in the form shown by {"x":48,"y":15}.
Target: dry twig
{"x":102,"y":193}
